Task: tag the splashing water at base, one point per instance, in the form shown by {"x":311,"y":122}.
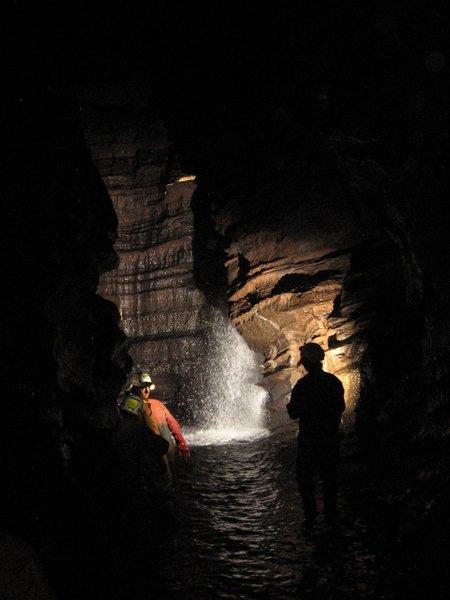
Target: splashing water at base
{"x":232,"y":406}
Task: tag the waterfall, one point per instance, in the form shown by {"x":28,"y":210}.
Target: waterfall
{"x":231,"y":405}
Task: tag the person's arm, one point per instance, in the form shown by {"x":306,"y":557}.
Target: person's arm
{"x":175,"y":430}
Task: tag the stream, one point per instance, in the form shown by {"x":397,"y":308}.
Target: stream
{"x":236,"y":531}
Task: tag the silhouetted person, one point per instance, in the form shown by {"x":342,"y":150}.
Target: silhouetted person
{"x":317,"y":401}
{"x":131,"y":439}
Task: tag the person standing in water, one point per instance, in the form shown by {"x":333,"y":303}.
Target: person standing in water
{"x":132,"y":440}
{"x":160,"y":421}
{"x":317,"y":401}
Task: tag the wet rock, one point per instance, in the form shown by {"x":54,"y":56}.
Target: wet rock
{"x":307,"y":271}
{"x":161,"y":309}
{"x":63,"y":353}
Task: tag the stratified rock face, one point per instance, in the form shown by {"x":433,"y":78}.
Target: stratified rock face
{"x":303,"y":268}
{"x":153,"y":287}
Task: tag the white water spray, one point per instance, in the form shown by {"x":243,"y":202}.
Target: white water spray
{"x":232,"y":405}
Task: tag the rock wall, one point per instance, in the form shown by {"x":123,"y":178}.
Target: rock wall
{"x":325,"y":170}
{"x":323,"y":164}
{"x":63,"y":356}
{"x":360,"y":130}
{"x":162,"y":311}
{"x":303,"y":271}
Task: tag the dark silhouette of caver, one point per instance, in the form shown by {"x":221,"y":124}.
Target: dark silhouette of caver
{"x":131,"y":439}
{"x":317,"y":401}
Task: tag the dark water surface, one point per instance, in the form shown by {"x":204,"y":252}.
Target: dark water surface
{"x":236,"y":531}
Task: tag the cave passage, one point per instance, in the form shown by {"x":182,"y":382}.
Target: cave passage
{"x":233,"y":526}
{"x":289,"y":167}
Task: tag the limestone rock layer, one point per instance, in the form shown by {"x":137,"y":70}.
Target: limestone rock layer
{"x":303,"y":264}
{"x":303,"y":256}
{"x":162,"y":311}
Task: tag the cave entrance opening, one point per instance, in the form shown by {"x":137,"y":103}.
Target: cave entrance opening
{"x":231,"y":405}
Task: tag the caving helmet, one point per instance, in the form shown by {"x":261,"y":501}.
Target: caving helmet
{"x":312,"y":352}
{"x":133,"y":403}
{"x":146,"y":381}
{"x":139,"y":381}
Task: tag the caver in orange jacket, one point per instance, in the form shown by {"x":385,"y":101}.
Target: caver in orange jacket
{"x":159,"y":419}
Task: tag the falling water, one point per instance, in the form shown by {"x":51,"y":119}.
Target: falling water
{"x":231,"y":406}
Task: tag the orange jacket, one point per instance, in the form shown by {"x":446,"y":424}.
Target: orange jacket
{"x":160,"y":420}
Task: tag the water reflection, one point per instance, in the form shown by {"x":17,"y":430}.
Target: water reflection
{"x":223,"y":435}
{"x":238,"y":514}
{"x":237,"y":534}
